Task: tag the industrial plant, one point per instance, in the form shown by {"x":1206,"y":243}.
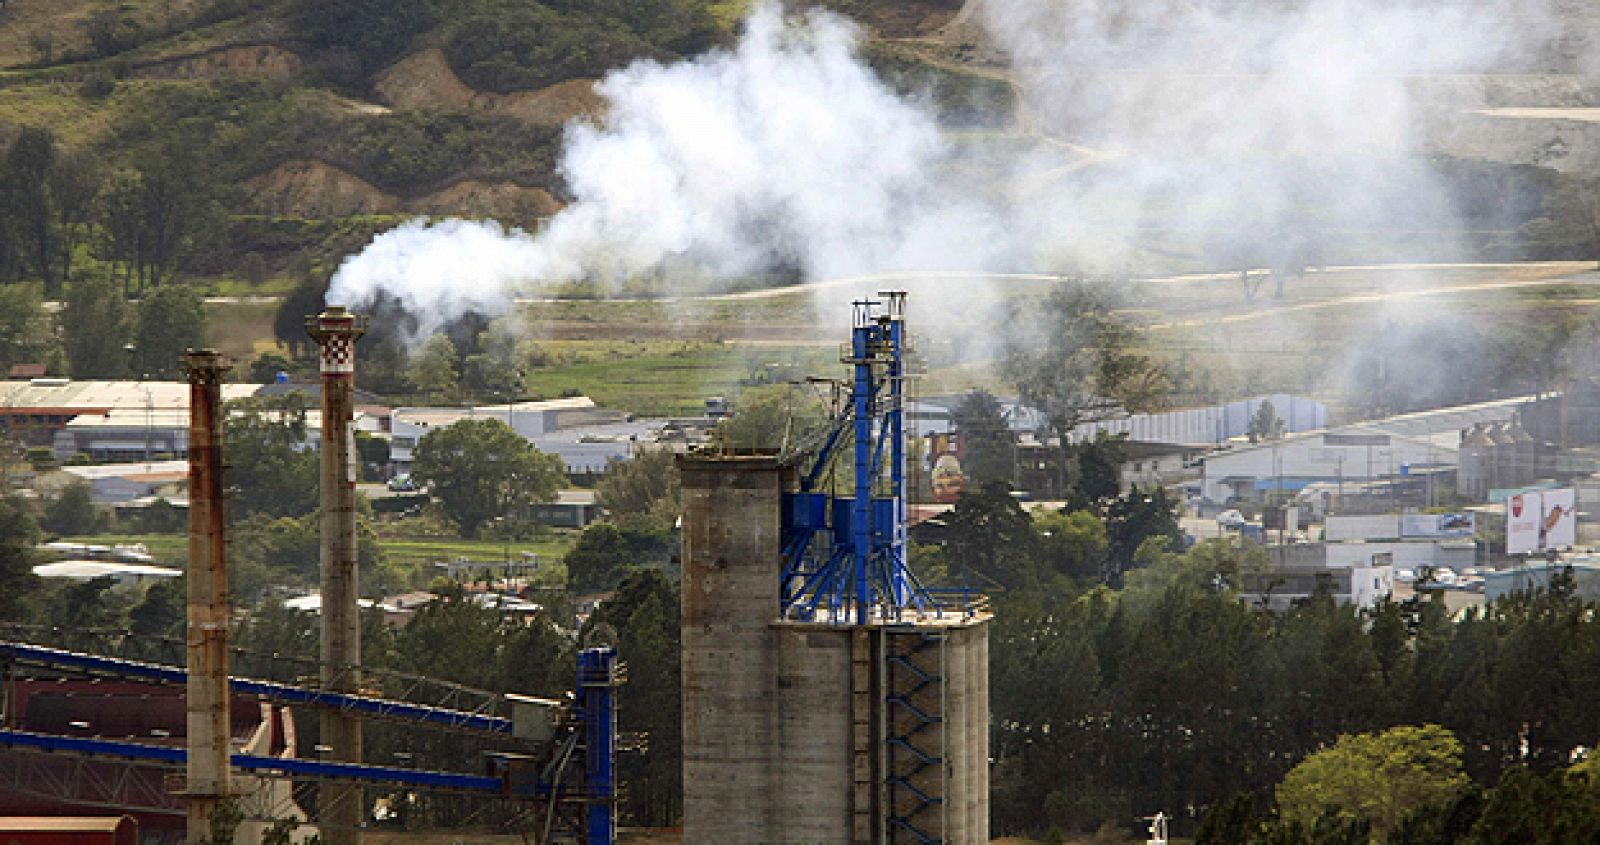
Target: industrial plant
{"x":828,"y":696}
{"x":220,"y":761}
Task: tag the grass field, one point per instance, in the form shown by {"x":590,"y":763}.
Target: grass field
{"x":655,"y":378}
{"x":424,"y":552}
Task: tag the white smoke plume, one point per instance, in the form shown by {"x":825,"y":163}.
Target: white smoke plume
{"x":1198,"y":134}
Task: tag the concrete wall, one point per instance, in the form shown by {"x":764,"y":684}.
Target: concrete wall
{"x":731,"y":557}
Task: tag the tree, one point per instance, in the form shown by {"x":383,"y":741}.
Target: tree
{"x":18,"y":536}
{"x":1072,"y":544}
{"x":171,"y":320}
{"x":988,"y":445}
{"x":161,"y":611}
{"x":434,"y":369}
{"x":644,"y":489}
{"x":43,"y":44}
{"x":771,"y":418}
{"x":29,"y":164}
{"x":373,"y":31}
{"x":1265,"y":424}
{"x":74,"y":186}
{"x":598,"y":560}
{"x":72,"y":514}
{"x":94,"y":322}
{"x":269,"y":437}
{"x":120,"y":223}
{"x":109,"y":30}
{"x":1073,"y":360}
{"x":992,"y":538}
{"x":289,"y":323}
{"x":1526,"y":807}
{"x":155,"y":216}
{"x":26,"y":332}
{"x":266,"y":367}
{"x":1138,"y":517}
{"x":1375,"y":777}
{"x":1096,"y":471}
{"x":79,"y":605}
{"x":480,"y":468}
{"x":644,"y":617}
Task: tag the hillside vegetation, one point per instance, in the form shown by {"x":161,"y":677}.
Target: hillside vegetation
{"x":328,"y":109}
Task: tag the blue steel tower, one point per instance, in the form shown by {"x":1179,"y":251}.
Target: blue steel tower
{"x":860,"y":714}
{"x":845,"y":556}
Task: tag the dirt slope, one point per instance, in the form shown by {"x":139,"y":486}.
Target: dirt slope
{"x":314,"y":188}
{"x":424,"y":80}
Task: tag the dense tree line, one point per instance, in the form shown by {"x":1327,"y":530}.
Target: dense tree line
{"x":1174,"y":695}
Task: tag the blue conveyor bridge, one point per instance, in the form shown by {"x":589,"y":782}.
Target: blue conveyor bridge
{"x":589,"y":729}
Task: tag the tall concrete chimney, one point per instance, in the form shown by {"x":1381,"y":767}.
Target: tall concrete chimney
{"x":206,"y":702}
{"x":341,"y":808}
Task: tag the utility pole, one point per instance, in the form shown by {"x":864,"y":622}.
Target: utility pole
{"x":206,"y":700}
{"x":341,"y":808}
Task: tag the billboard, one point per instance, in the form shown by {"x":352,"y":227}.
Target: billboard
{"x":1558,"y":523}
{"x":1437,"y":525}
{"x":1538,"y":522}
{"x":946,"y":479}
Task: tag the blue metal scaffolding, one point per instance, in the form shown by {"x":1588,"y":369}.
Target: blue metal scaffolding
{"x":857,"y":572}
{"x":593,"y":729}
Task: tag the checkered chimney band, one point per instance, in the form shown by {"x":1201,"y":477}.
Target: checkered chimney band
{"x":338,"y":354}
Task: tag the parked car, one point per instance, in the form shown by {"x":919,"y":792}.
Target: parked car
{"x":403,"y":483}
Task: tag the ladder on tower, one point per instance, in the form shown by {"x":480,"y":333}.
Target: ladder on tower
{"x":914,"y":736}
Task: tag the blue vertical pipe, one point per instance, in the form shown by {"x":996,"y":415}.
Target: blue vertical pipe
{"x":861,"y":510}
{"x":898,"y":587}
{"x":596,"y":688}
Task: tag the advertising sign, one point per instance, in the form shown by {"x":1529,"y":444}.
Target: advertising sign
{"x":1558,"y":519}
{"x":1538,"y":522}
{"x":1437,"y":525}
{"x":944,"y":464}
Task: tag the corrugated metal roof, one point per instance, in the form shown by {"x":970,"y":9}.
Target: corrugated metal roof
{"x":86,"y":569}
{"x":83,"y":396}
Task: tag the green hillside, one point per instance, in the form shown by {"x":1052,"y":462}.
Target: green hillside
{"x":293,"y":127}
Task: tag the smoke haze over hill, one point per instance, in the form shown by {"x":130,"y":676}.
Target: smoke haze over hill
{"x":1244,"y":134}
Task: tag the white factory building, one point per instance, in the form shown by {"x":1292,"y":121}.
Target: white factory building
{"x":1208,"y":426}
{"x":1350,"y":454}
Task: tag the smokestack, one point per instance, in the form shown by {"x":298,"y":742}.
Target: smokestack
{"x":206,"y":702}
{"x":341,"y":808}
